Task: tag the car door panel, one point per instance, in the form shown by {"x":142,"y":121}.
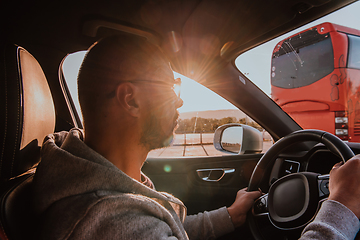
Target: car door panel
{"x":199,"y":191}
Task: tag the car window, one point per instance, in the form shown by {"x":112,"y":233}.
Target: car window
{"x":312,"y":73}
{"x":70,"y":69}
{"x":255,"y":63}
{"x":202,"y":113}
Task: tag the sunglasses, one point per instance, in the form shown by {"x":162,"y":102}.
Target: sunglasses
{"x":174,"y":85}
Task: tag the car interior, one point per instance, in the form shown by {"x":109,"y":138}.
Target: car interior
{"x":201,"y":39}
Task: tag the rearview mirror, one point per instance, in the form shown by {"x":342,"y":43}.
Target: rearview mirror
{"x":238,"y":139}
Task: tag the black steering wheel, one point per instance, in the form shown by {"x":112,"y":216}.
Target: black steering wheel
{"x":293,"y":200}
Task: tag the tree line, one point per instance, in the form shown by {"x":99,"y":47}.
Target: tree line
{"x":209,"y":125}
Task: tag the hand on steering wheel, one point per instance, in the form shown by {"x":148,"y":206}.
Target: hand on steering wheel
{"x":293,"y":200}
{"x":344,"y":184}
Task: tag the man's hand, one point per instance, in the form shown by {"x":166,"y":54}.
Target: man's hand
{"x":243,"y":202}
{"x":344,"y":184}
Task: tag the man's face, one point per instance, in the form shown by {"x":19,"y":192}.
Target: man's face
{"x":161,"y":111}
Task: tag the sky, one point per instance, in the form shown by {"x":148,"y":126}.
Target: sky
{"x":255,"y":64}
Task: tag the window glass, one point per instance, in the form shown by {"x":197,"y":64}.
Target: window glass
{"x":354,"y":52}
{"x":202,"y":113}
{"x":298,"y":65}
{"x":70,"y":67}
{"x":297,"y":70}
{"x":256,"y":63}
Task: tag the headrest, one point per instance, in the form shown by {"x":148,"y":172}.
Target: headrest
{"x":27,"y":111}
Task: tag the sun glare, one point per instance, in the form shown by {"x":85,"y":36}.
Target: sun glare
{"x":196,"y":97}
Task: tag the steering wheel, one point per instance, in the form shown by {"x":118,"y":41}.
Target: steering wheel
{"x":293,"y":200}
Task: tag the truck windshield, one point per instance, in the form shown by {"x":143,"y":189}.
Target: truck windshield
{"x":302,"y":60}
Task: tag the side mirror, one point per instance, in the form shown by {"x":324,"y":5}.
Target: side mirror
{"x":238,"y":139}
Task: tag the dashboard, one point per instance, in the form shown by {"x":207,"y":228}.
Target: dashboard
{"x":322,"y":162}
{"x":318,"y":160}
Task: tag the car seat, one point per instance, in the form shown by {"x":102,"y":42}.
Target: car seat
{"x":27,"y":116}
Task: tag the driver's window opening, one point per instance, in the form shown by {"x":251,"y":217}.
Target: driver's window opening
{"x":202,"y":113}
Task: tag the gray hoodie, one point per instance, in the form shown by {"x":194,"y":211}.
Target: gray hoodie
{"x":81,"y":195}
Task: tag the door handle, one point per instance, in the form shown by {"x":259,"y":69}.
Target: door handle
{"x":214,"y":174}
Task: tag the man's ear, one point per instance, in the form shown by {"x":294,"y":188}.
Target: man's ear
{"x":126,"y":95}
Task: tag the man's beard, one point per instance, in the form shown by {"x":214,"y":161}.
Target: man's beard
{"x":153,"y":136}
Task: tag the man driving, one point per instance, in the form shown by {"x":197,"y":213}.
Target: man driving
{"x":89,"y":184}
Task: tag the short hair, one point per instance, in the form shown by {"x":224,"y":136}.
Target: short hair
{"x":110,"y":61}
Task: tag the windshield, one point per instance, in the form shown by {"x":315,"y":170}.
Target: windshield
{"x":256,"y":63}
{"x":312,"y":73}
{"x":300,"y":61}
